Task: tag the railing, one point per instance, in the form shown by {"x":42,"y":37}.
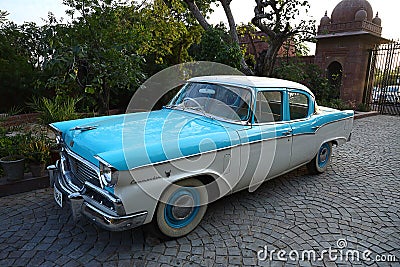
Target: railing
{"x":382,"y":92}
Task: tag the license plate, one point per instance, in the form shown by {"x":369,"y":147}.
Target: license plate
{"x":58,"y":196}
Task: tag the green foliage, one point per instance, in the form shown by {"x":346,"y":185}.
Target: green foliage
{"x":15,"y":110}
{"x":337,"y":104}
{"x":280,"y":21}
{"x":101,"y":55}
{"x":12,"y":144}
{"x":310,"y":75}
{"x":363,"y":107}
{"x":165,"y":36}
{"x":95,"y":54}
{"x":58,"y":109}
{"x":216,"y":46}
{"x":37,"y":149}
{"x":3,"y":16}
{"x":17,"y":70}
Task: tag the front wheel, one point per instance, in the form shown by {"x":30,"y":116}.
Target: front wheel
{"x":321,"y":161}
{"x":181,"y":208}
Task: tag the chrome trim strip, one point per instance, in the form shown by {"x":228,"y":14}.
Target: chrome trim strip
{"x":184,"y":157}
{"x":84,"y":161}
{"x":110,"y":222}
{"x":230,"y":147}
{"x":342,"y":119}
{"x":104,"y":193}
{"x":299,"y":134}
{"x":115,"y":217}
{"x":103,"y":161}
{"x":54,"y":128}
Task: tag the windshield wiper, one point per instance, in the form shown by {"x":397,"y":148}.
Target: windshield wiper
{"x":84,"y":128}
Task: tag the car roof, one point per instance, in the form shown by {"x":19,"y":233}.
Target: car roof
{"x":251,"y":81}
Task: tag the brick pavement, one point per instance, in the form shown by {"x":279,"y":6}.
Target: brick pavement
{"x":357,"y":199}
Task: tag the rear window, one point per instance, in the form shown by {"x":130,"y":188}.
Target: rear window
{"x":298,"y":105}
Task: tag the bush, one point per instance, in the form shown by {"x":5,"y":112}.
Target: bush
{"x":363,"y":107}
{"x":13,"y":144}
{"x":37,"y":149}
{"x":58,"y":109}
{"x":337,"y":104}
{"x":309,"y":75}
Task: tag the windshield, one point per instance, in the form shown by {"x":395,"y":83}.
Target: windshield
{"x":222,"y":101}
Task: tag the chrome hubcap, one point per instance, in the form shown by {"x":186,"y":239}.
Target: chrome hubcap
{"x":323,"y":155}
{"x":182,"y":207}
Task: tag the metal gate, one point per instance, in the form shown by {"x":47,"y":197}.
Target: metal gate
{"x":383,"y":79}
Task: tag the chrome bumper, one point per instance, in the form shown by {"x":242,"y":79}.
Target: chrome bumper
{"x":83,"y":202}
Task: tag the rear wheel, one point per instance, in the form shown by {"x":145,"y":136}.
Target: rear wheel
{"x":181,"y":208}
{"x":321,"y":161}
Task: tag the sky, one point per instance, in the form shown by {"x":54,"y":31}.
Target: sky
{"x":243,"y":10}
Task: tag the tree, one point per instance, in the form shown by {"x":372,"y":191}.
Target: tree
{"x":217,"y":46}
{"x":95,"y":54}
{"x":277,"y":19}
{"x":3,"y":16}
{"x":17,"y":69}
{"x":199,"y":9}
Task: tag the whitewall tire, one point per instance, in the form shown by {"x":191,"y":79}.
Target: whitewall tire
{"x":321,"y":161}
{"x":180,"y":211}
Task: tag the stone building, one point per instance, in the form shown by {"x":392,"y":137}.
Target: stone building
{"x":344,"y":43}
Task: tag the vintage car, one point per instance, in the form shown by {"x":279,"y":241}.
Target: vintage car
{"x":388,"y":95}
{"x":218,"y":135}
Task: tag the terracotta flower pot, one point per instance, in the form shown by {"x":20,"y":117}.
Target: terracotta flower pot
{"x":13,"y":167}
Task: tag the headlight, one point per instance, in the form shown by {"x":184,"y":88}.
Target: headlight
{"x":108,"y":174}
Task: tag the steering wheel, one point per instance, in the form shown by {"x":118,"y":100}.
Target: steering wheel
{"x":194,"y":101}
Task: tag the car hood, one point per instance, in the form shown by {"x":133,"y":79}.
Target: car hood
{"x":133,"y":140}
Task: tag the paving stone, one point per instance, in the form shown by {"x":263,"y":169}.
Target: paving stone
{"x":356,"y":200}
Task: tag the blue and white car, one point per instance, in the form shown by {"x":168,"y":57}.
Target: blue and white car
{"x":388,"y":95}
{"x":218,"y":135}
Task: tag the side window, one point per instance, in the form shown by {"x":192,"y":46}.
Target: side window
{"x":298,"y":105}
{"x":268,"y":107}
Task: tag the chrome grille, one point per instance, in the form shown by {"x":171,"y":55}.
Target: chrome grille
{"x":83,"y":172}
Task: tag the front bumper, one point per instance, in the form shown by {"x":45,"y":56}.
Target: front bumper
{"x":98,"y":205}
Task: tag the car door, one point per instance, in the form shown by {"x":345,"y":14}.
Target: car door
{"x":266,"y":146}
{"x":301,"y":110}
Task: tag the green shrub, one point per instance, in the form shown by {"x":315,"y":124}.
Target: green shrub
{"x":13,"y":144}
{"x":37,"y":149}
{"x":363,"y":107}
{"x":54,"y":110}
{"x":337,"y":104}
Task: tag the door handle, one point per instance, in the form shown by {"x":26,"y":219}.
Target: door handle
{"x":289,"y":132}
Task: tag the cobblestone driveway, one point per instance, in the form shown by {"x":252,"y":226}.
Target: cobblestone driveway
{"x":357,"y":199}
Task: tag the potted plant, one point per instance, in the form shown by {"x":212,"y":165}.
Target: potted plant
{"x":12,"y":162}
{"x":37,"y":152}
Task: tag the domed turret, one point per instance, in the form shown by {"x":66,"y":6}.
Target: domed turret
{"x":346,"y":11}
{"x":377,"y":20}
{"x":325,"y":20}
{"x":361,"y":15}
